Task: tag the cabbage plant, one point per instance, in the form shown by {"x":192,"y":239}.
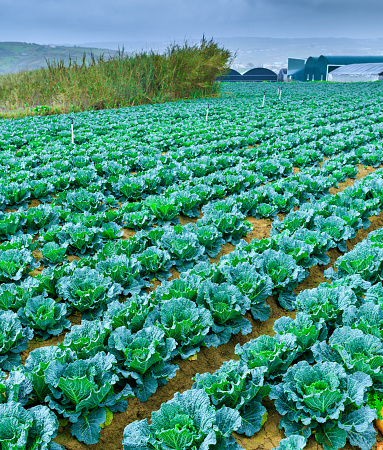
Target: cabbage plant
{"x":88,"y":291}
{"x":236,"y":386}
{"x":364,"y":260}
{"x":14,"y":296}
{"x":10,"y":224}
{"x":186,"y":422}
{"x":185,"y":322}
{"x":41,"y":217}
{"x":143,"y":358}
{"x":165,"y":209}
{"x":31,"y":428}
{"x":37,"y":363}
{"x":284,"y":273}
{"x":15,"y":264}
{"x":306,"y":331}
{"x":82,"y":200}
{"x":87,"y":339}
{"x":355,"y":350}
{"x":210,"y":238}
{"x":80,"y":239}
{"x":139,"y":220}
{"x":323,"y":399}
{"x":81,"y":390}
{"x":275,"y":353}
{"x":326,"y":303}
{"x":227,"y":306}
{"x":111,"y":231}
{"x":14,"y":339}
{"x":253,"y":285}
{"x":53,"y":253}
{"x":124,"y":271}
{"x":155,"y":263}
{"x":45,"y":316}
{"x":131,"y":314}
{"x":184,"y":248}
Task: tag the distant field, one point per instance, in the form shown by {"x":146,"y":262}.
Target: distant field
{"x":15,"y":56}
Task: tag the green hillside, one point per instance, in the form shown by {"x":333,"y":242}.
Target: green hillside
{"x":15,"y":56}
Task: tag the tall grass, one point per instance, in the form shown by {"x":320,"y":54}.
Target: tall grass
{"x":181,"y":72}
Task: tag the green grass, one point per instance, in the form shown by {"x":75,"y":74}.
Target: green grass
{"x":182,"y":72}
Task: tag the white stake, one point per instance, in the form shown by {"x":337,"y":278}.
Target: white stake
{"x":263,"y":101}
{"x":207,"y":111}
{"x":71,"y":127}
{"x":280,"y":93}
{"x":277,"y":92}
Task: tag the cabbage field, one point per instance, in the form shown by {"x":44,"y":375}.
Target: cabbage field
{"x":196,"y":275}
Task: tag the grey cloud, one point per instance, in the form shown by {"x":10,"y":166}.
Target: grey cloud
{"x":70,"y":21}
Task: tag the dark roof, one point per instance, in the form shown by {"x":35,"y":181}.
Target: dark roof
{"x":233,"y":72}
{"x":350,"y":59}
{"x":259,"y":71}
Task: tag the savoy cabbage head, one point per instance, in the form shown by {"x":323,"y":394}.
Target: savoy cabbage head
{"x":87,"y":290}
{"x":80,"y":390}
{"x":14,"y":339}
{"x":45,"y":316}
{"x":252,"y":284}
{"x":355,"y":350}
{"x":185,"y":322}
{"x":31,"y":428}
{"x":143,"y":358}
{"x":227,"y":306}
{"x":323,"y":399}
{"x":236,"y":386}
{"x":275,"y":353}
{"x":186,"y":422}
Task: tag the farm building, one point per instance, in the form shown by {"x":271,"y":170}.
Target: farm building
{"x":296,"y":69}
{"x":310,"y":69}
{"x":257,"y":74}
{"x":358,"y":72}
{"x":327,"y":64}
{"x":260,"y":74}
{"x":231,"y":76}
{"x":282,"y":75}
{"x":318,"y":68}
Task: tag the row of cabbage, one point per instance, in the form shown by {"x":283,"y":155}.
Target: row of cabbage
{"x":43,"y":175}
{"x":204,"y":307}
{"x":234,"y":120}
{"x":62,"y":392}
{"x":323,"y":369}
{"x":126,"y":266}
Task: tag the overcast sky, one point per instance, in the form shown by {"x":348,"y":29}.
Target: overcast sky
{"x":80,"y":21}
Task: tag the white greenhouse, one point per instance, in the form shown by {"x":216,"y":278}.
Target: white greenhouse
{"x":357,"y":72}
